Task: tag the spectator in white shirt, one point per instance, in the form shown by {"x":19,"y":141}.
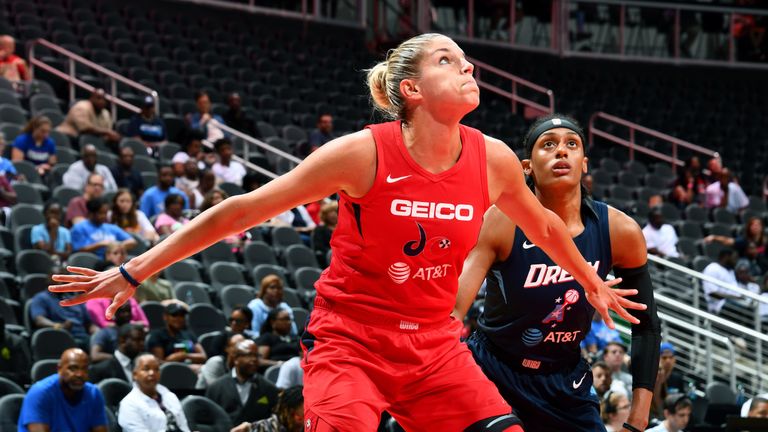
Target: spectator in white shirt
{"x":227,"y":170}
{"x":291,"y":374}
{"x":77,"y":174}
{"x":660,"y":238}
{"x":722,"y":270}
{"x":677,"y":413}
{"x":150,"y":406}
{"x":726,"y":193}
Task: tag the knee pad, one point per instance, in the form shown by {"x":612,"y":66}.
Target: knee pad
{"x":499,"y":423}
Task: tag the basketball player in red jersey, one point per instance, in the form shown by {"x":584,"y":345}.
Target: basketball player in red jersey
{"x":413,"y":193}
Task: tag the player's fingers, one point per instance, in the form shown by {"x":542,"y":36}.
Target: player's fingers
{"x":607,"y":318}
{"x":629,"y":304}
{"x":624,"y":292}
{"x":613,"y":282}
{"x":71,"y":278}
{"x":119,"y":300}
{"x":625,"y":314}
{"x":82,"y":270}
{"x":82,"y":298}
{"x":70,"y":287}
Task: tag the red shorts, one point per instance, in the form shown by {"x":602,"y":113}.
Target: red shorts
{"x":426,"y":378}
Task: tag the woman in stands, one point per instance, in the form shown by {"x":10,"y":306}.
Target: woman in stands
{"x":126,"y":214}
{"x":35,"y":145}
{"x":413,"y":196}
{"x":535,"y":314}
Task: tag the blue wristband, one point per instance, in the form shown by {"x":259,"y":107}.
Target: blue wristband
{"x":128,"y":277}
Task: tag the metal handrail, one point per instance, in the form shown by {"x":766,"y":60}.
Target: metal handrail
{"x":246,"y":163}
{"x":73,"y":81}
{"x":633,"y":146}
{"x":254,"y":141}
{"x":516,"y":81}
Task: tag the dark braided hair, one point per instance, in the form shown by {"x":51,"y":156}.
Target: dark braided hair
{"x":289,"y":401}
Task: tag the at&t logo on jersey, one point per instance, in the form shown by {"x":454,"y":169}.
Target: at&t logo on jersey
{"x":542,"y":275}
{"x":431,"y":210}
{"x":400,"y":272}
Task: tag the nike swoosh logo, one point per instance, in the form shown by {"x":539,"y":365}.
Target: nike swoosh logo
{"x":527,"y":245}
{"x":391,"y":179}
{"x":578,"y":384}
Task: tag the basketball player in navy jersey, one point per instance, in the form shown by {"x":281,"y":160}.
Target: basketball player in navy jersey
{"x":536,"y":315}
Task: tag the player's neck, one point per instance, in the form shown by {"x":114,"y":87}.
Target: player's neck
{"x":432,"y":142}
{"x":566,"y":205}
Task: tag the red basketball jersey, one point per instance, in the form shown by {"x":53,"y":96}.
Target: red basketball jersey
{"x":398,"y":251}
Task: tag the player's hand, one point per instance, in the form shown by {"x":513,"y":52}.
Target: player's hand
{"x":109,"y":284}
{"x":606,"y":298}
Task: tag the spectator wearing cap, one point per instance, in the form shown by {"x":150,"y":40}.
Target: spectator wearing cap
{"x":174,"y":343}
{"x":94,"y":234}
{"x":12,"y":67}
{"x":613,"y":356}
{"x":722,"y":270}
{"x":89,"y":117}
{"x":126,"y":176}
{"x":226,"y":169}
{"x":660,"y":237}
{"x":668,"y":380}
{"x":147,"y":125}
{"x":237,"y":119}
{"x":677,"y":413}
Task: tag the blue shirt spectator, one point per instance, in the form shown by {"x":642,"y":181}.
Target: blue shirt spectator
{"x":147,"y":126}
{"x":65,"y":401}
{"x":153,"y":201}
{"x":87,"y":233}
{"x":46,"y":304}
{"x":38,"y":155}
{"x":40,"y":233}
{"x":7,"y":169}
{"x":600,"y":335}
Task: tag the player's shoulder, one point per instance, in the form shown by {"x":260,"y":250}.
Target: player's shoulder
{"x":628,"y":247}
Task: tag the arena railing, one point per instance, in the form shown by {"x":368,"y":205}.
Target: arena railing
{"x":482,"y":69}
{"x":687,"y":307}
{"x":633,"y":146}
{"x":69,"y":75}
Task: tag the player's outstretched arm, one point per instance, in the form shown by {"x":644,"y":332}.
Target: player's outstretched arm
{"x":347,"y":163}
{"x":511,"y":195}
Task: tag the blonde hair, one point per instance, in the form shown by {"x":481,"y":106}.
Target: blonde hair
{"x":385,"y":77}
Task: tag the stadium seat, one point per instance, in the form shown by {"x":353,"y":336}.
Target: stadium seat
{"x":177,"y":376}
{"x":10,"y":409}
{"x":204,"y":415}
{"x":204,"y":318}
{"x":113,"y":390}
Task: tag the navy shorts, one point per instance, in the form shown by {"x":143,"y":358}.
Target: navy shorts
{"x":553,"y":402}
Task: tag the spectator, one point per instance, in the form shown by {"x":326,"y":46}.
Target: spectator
{"x":752,"y":232}
{"x":212,"y":198}
{"x":97,"y":307}
{"x":298,"y":218}
{"x":51,"y":236}
{"x":677,"y":413}
{"x":76,"y":209}
{"x":613,"y":356}
{"x":129,"y":218}
{"x":189,"y":183}
{"x":270,"y":296}
{"x":245,"y":395}
{"x":119,"y":362}
{"x":321,"y":235}
{"x":601,"y":378}
{"x":172,"y":218}
{"x":89,"y":117}
{"x":588,"y":183}
{"x":35,"y":145}
{"x":722,"y":270}
{"x":173,"y":343}
{"x":147,"y":126}
{"x":226,"y":169}
{"x":45,"y":311}
{"x":201,"y":120}
{"x":288,"y":416}
{"x":207,"y":184}
{"x":156,"y":289}
{"x":12,"y":67}
{"x":77,"y":173}
{"x":220,"y":364}
{"x":276,"y":343}
{"x":95,"y":234}
{"x":754,"y":263}
{"x":599,"y":336}
{"x":239,"y":323}
{"x":237,"y":119}
{"x":193,"y":150}
{"x":291,"y":374}
{"x":763,"y":308}
{"x":668,"y":380}
{"x":745,"y":281}
{"x":104,"y":342}
{"x":614,"y":409}
{"x":758,"y":408}
{"x":323,"y":133}
{"x":660,"y":237}
{"x":690,"y":185}
{"x":7,"y":169}
{"x":726,"y":193}
{"x":153,"y":200}
{"x":65,"y":401}
{"x":715,"y":169}
{"x":15,"y":358}
{"x":150,"y":406}
{"x":125,"y":175}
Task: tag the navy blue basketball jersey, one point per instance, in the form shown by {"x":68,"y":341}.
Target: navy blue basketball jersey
{"x":535,"y":311}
